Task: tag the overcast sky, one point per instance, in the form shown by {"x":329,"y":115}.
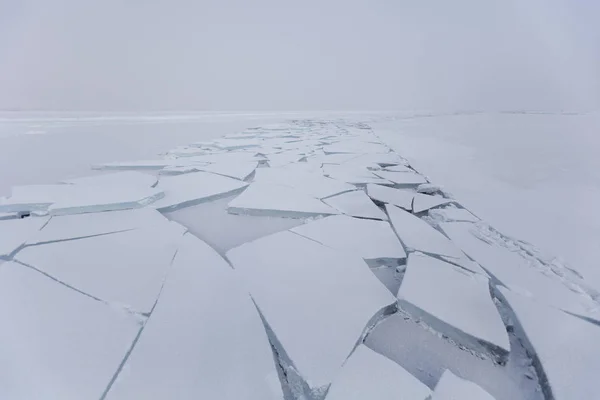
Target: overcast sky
{"x":277,"y":54}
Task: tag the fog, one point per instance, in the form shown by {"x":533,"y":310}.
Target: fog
{"x":139,"y":55}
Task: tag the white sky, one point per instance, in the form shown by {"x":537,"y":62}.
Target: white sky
{"x":268,"y":54}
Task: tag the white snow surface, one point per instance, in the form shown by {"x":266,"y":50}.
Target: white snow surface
{"x":194,"y":188}
{"x":14,"y":233}
{"x":455,"y":303}
{"x":399,"y":197}
{"x":356,"y":204}
{"x":451,"y":387}
{"x":368,"y":375}
{"x":57,"y":343}
{"x":368,"y":239}
{"x":418,"y":235}
{"x":565,"y":345}
{"x":278,"y":200}
{"x":289,"y":275}
{"x":204,"y":339}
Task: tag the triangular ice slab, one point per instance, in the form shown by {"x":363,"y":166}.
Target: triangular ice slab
{"x":195,"y":188}
{"x":423,"y":202}
{"x":233,"y":170}
{"x":369,"y":375}
{"x":289,"y":275}
{"x":451,"y":387}
{"x":277,"y":200}
{"x":408,"y":179}
{"x":371,"y":240}
{"x":57,"y":343}
{"x":204,"y":340}
{"x":454,"y":303}
{"x":566,"y":348}
{"x":126,"y":268}
{"x":418,"y":235}
{"x":514,"y":272}
{"x":356,"y":204}
{"x":124,"y":178}
{"x":14,"y":233}
{"x":312,"y":184}
{"x":398,"y":197}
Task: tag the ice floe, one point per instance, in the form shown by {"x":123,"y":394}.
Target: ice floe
{"x":451,"y":387}
{"x":371,"y":240}
{"x":204,"y":339}
{"x":239,"y":171}
{"x":116,"y":179}
{"x":418,"y":235}
{"x":455,"y":303}
{"x":312,"y":184}
{"x":55,"y":342}
{"x":424,"y":202}
{"x":356,"y":204}
{"x":450,"y":214}
{"x":398,"y":197}
{"x":368,"y":375}
{"x":408,"y":179}
{"x":278,"y":200}
{"x":14,"y":233}
{"x":353,"y":174}
{"x":197,"y":187}
{"x":289,"y":275}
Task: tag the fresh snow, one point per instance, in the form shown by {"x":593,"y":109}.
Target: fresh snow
{"x":368,"y":375}
{"x":399,"y":197}
{"x":289,"y":275}
{"x":455,"y":303}
{"x":57,"y":343}
{"x":356,"y":204}
{"x":418,"y":235}
{"x":451,"y":387}
{"x":565,"y":346}
{"x":126,"y":269}
{"x":424,"y":202}
{"x":194,"y":188}
{"x":14,"y":233}
{"x":278,"y":200}
{"x":371,"y":240}
{"x":204,"y":339}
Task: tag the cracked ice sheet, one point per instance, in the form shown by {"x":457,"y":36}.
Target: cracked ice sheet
{"x":14,"y":233}
{"x":369,"y":375}
{"x":353,"y":174}
{"x":424,"y":202}
{"x":566,"y":347}
{"x":150,"y":164}
{"x":85,"y":225}
{"x":239,"y":171}
{"x":418,"y":235}
{"x":289,"y":275}
{"x":204,"y":339}
{"x":398,"y":197}
{"x":277,"y":200}
{"x":409,"y":179}
{"x":371,"y":240}
{"x":312,"y":184}
{"x":57,"y":343}
{"x":455,"y":303}
{"x":514,"y":272}
{"x":451,"y":387}
{"x":124,"y":178}
{"x":356,"y":204}
{"x":194,"y":188}
{"x":356,"y":147}
{"x":126,"y":269}
{"x":449,"y":214}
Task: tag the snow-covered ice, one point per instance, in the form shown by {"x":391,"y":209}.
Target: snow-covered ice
{"x":352,"y":174}
{"x":368,"y":375}
{"x":356,"y":204}
{"x":116,"y":179}
{"x":424,"y":202}
{"x":418,"y":235}
{"x":194,"y":188}
{"x":398,"y":168}
{"x":405,"y":179}
{"x":14,"y":233}
{"x":566,"y":347}
{"x":278,"y":200}
{"x":204,"y":339}
{"x":451,"y":214}
{"x":398,"y":197}
{"x":241,"y":170}
{"x":455,"y":303}
{"x":312,"y":184}
{"x":451,"y":387}
{"x":289,"y":275}
{"x":126,"y":268}
{"x":371,"y":240}
{"x":55,"y":342}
